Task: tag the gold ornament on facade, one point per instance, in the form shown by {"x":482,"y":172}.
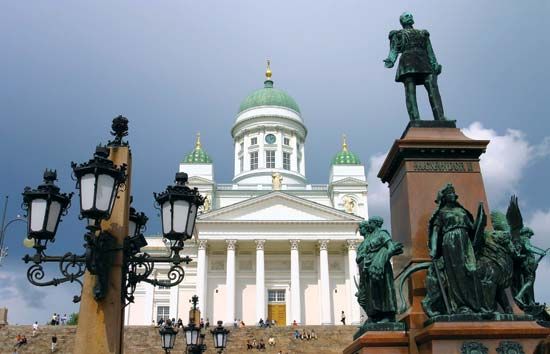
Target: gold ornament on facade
{"x":276,"y":181}
{"x":207,"y":204}
{"x":349,"y":204}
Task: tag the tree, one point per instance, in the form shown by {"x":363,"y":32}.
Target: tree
{"x":73,"y":319}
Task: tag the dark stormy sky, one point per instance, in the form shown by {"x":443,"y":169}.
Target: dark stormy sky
{"x":175,"y":68}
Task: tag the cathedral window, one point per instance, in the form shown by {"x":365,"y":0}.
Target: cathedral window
{"x":241,"y":163}
{"x":270,"y":159}
{"x":254,"y":160}
{"x":286,"y":160}
{"x":286,"y":141}
{"x":163,"y":312}
{"x":254,"y":141}
{"x":276,"y":295}
{"x":242,"y":147}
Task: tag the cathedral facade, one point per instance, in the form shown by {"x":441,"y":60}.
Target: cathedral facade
{"x":269,"y":245}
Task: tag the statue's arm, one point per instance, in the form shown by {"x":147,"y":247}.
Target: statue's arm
{"x":431,"y":56}
{"x":392,"y":56}
{"x":534,"y":249}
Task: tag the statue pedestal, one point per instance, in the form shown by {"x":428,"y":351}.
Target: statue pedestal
{"x":429,"y":155}
{"x":380,"y":342}
{"x":458,"y":337}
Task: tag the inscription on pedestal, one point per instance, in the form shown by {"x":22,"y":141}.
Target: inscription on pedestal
{"x":443,"y":166}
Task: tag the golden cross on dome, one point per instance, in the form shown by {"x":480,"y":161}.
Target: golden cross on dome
{"x":198,"y":142}
{"x":344,"y":143}
{"x":268,"y":70}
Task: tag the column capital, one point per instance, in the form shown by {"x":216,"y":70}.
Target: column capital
{"x":259,"y":244}
{"x":202,"y":244}
{"x":352,"y":244}
{"x":294,"y":244}
{"x":231,"y":244}
{"x":323,"y":244}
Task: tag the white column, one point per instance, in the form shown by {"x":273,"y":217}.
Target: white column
{"x":201,"y":277}
{"x":127,"y":314}
{"x":174,"y":299}
{"x":230,"y":281}
{"x":295,"y":287}
{"x":355,"y":314}
{"x":279,"y":152}
{"x":237,"y":163}
{"x":325,"y":284}
{"x":303,"y":168}
{"x":260,"y":280}
{"x":148,"y":310}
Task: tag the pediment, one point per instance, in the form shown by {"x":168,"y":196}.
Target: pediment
{"x":278,"y":206}
{"x":349,"y":181}
{"x":196,"y":180}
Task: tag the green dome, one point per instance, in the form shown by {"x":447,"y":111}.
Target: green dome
{"x":198,"y":155}
{"x":345,"y":157}
{"x":269,"y":96}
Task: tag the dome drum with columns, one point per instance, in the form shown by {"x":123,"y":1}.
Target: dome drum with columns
{"x":269,"y":244}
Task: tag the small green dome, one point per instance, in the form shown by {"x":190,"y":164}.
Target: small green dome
{"x":198,"y":155}
{"x":345,"y":157}
{"x":269,"y":96}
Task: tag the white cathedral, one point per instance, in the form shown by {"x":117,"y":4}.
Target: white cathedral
{"x":269,"y":245}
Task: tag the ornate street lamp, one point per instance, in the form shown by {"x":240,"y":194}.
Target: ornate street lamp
{"x":194,"y":335}
{"x":99,"y":180}
{"x":178,"y":205}
{"x":45,"y":205}
{"x":220,"y":337}
{"x":167,"y":336}
{"x":136,"y":227}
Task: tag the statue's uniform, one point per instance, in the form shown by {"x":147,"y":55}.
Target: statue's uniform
{"x":414,"y":61}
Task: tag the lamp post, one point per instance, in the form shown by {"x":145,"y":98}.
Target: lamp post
{"x":219,"y":335}
{"x":194,"y":335}
{"x":3,"y":227}
{"x":167,"y":336}
{"x":112,"y":263}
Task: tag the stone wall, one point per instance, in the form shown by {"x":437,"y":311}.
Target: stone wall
{"x":144,"y":339}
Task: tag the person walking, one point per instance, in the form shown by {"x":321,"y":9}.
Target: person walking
{"x":34,"y":328}
{"x":343,"y":320}
{"x":54,"y":342}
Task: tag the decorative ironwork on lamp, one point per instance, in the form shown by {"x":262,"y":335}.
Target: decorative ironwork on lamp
{"x":220,"y":335}
{"x":99,"y":181}
{"x":194,"y":335}
{"x":167,"y":336}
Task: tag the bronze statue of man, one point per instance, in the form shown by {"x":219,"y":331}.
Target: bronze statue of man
{"x":376,"y":292}
{"x":417,"y":65}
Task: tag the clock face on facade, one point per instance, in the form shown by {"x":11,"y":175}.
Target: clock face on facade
{"x":270,"y":139}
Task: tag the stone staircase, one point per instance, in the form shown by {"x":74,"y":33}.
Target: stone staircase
{"x":146,"y":340}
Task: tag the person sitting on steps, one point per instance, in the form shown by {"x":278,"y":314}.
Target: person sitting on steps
{"x":261,"y":345}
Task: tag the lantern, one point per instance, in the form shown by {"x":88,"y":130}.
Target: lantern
{"x":179,"y":205}
{"x":45,"y":205}
{"x":98,"y":181}
{"x":167,"y":337}
{"x":220,"y":336}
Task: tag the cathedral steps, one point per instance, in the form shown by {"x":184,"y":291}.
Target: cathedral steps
{"x":146,"y":340}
